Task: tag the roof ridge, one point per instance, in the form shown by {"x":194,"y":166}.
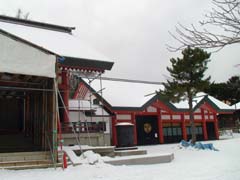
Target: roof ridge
{"x":36,"y":24}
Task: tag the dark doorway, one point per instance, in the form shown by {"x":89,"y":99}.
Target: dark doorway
{"x":12,"y":125}
{"x":27,"y":113}
{"x":147,"y":130}
{"x":210,"y":130}
{"x":11,"y":115}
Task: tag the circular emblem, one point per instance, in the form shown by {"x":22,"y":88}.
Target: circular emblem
{"x":147,"y":128}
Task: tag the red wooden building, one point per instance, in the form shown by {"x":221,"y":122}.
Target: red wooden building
{"x":155,"y":120}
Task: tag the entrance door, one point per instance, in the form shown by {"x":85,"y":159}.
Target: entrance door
{"x":210,"y":130}
{"x":147,"y":130}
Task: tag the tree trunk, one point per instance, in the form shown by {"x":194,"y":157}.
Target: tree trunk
{"x":193,"y":129}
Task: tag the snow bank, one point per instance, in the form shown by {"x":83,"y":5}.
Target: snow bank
{"x":187,"y":165}
{"x":89,"y":157}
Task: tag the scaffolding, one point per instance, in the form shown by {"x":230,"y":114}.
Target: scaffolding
{"x":82,"y":125}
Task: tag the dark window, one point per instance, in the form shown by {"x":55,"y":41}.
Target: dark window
{"x":90,"y":113}
{"x":165,"y":131}
{"x":174,"y":130}
{"x":200,"y":130}
{"x":96,"y":101}
{"x":179,"y":131}
{"x":102,"y":126}
{"x":170,"y":131}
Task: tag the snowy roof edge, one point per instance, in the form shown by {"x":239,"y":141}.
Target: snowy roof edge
{"x":36,"y":24}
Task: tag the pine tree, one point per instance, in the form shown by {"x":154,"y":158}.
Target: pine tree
{"x":187,"y":79}
{"x":229,"y":91}
{"x":233,"y":84}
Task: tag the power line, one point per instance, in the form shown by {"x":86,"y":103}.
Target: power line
{"x":131,"y":80}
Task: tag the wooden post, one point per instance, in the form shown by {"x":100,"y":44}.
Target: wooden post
{"x":204,"y":126}
{"x":65,"y":84}
{"x":184,"y":132}
{"x":160,"y":127}
{"x":114,"y":133}
{"x":216,"y":126}
{"x":135,"y":128}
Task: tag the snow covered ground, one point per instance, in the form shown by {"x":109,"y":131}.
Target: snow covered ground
{"x":188,"y":164}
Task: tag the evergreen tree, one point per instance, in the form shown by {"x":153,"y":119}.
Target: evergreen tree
{"x":187,"y":79}
{"x":229,"y":91}
{"x":219,"y":91}
{"x":233,"y":85}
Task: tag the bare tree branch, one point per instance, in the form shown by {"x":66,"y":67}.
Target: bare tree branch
{"x":225,"y":16}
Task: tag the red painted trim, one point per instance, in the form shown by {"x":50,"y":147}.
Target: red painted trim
{"x":76,"y":92}
{"x":146,"y":113}
{"x":135,"y":129}
{"x":162,"y":106}
{"x":160,"y":128}
{"x":123,"y":120}
{"x":184,"y":130}
{"x":216,"y":126}
{"x":60,"y":86}
{"x":65,"y":84}
{"x":204,"y":126}
{"x":208,"y":107}
{"x":114,"y":132}
{"x":81,"y":68}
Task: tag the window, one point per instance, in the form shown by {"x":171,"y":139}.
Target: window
{"x":174,"y":130}
{"x":170,"y":131}
{"x":102,"y":126}
{"x":188,"y":130}
{"x":179,"y":131}
{"x":165,"y":131}
{"x":96,"y":102}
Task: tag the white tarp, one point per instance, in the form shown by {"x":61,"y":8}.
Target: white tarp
{"x":20,"y":58}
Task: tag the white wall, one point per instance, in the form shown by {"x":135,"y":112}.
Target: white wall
{"x":76,"y":116}
{"x":20,"y":58}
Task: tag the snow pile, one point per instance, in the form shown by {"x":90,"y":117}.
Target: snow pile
{"x":89,"y":157}
{"x":187,"y":165}
{"x":198,"y":145}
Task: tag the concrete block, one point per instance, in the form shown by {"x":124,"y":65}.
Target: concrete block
{"x":130,"y":152}
{"x":142,"y":159}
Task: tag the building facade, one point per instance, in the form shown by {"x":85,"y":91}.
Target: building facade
{"x":156,"y":120}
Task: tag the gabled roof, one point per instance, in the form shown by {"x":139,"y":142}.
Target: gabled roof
{"x":137,"y":96}
{"x":201,"y":98}
{"x":56,"y":39}
{"x":126,"y":94}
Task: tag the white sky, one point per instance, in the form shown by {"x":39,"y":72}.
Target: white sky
{"x":133,"y":33}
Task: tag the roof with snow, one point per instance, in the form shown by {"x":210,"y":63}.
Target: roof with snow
{"x":126,"y":94}
{"x":201,"y":98}
{"x":129,"y":95}
{"x":56,"y":39}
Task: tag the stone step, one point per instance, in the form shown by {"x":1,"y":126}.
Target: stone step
{"x":36,"y":166}
{"x":23,"y":163}
{"x":24,"y":156}
{"x":130,"y":152}
{"x":141,"y":159}
{"x":24,"y":153}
